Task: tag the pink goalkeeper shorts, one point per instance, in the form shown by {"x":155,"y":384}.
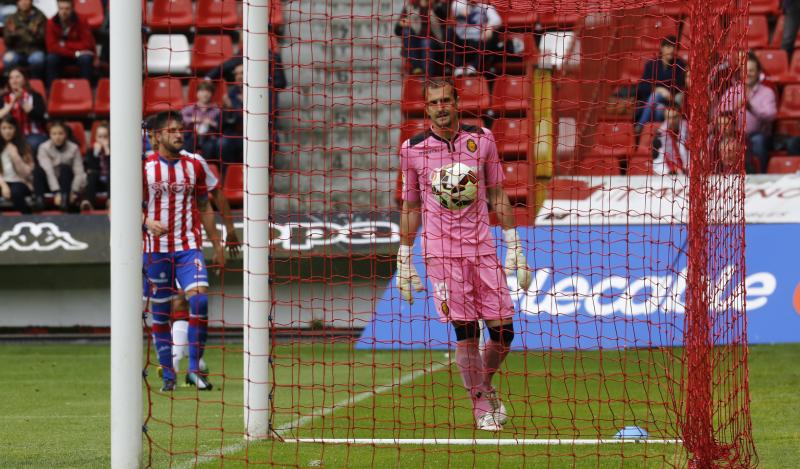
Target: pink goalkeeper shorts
{"x":469,"y":289}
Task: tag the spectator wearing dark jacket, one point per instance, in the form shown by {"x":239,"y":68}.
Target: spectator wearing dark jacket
{"x":422,"y":32}
{"x":26,"y":106}
{"x":98,"y":166}
{"x":69,"y":42}
{"x":24,"y":35}
{"x":663,"y":78}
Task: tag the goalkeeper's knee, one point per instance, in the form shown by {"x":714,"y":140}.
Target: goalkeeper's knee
{"x":467,"y":330}
{"x":502,"y":334}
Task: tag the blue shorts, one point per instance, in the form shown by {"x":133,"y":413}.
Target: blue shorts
{"x":162,"y":270}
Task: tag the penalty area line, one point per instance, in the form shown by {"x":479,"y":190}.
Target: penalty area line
{"x":306,"y":419}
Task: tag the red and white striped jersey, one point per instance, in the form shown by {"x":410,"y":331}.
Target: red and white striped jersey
{"x":171,"y":188}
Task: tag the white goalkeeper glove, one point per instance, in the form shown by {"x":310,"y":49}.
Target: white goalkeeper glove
{"x":515,"y":259}
{"x":407,"y":276}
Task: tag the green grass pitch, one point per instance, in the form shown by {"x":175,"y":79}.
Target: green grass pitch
{"x":55,"y":404}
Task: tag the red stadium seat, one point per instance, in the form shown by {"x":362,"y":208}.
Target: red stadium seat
{"x":790,"y":103}
{"x":650,"y":30}
{"x":171,"y":16}
{"x":676,"y":8}
{"x":412,"y":102}
{"x":788,"y":127}
{"x":777,"y":36}
{"x":162,"y":94}
{"x":102,"y":99}
{"x":79,"y":134}
{"x":215,"y":171}
{"x":553,"y":17}
{"x":649,"y":132}
{"x":217,"y":14}
{"x":613,"y":138}
{"x":516,"y":180}
{"x":774,"y":63}
{"x":412,"y":127}
{"x":783,"y":164}
{"x":512,"y":137}
{"x":233,"y":189}
{"x":765,"y":7}
{"x":640,"y":165}
{"x":70,"y":97}
{"x":598,"y":166}
{"x":793,"y":75}
{"x":91,"y":11}
{"x":38,"y":86}
{"x":210,"y":51}
{"x":525,"y":52}
{"x":758,"y":32}
{"x":511,"y":95}
{"x":473,"y":94}
{"x":516,"y":14}
{"x":219,"y":90}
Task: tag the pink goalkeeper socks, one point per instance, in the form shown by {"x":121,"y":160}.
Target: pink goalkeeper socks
{"x":493,"y":355}
{"x":470,"y":364}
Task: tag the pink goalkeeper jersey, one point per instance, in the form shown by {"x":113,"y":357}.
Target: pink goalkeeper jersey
{"x":170,"y":190}
{"x":446,"y":232}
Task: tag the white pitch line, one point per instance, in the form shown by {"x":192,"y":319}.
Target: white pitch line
{"x":300,"y":421}
{"x":481,"y":441}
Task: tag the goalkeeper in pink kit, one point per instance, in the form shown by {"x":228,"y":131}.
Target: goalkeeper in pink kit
{"x":468,"y":281}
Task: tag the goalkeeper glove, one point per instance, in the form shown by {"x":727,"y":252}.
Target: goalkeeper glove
{"x":515,"y":259}
{"x":407,"y":276}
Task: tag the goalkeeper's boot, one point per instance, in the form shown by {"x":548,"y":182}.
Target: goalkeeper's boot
{"x":168,"y":386}
{"x":498,"y":409}
{"x":203,"y":367}
{"x":488,"y":423}
{"x":194,"y":378}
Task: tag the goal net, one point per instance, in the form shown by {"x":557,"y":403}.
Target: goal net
{"x":619,"y":129}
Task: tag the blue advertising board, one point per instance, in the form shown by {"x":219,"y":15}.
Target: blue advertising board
{"x":616,"y":286}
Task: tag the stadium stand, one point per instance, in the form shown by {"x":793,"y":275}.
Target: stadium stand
{"x":70,"y":98}
{"x":512,"y":137}
{"x":162,"y":94}
{"x":216,"y":15}
{"x":511,"y":95}
{"x":168,"y":54}
{"x":783,"y":165}
{"x":102,"y":99}
{"x":174,"y":16}
{"x":91,"y":11}
{"x":210,"y":51}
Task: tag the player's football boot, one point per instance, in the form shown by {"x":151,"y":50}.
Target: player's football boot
{"x":168,"y":386}
{"x":198,"y":380}
{"x":498,"y":409}
{"x":488,"y":423}
{"x":203,"y":367}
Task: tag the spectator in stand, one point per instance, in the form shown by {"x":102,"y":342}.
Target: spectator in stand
{"x":60,"y":168}
{"x":69,"y":42}
{"x":233,"y":124}
{"x":422,"y":33}
{"x":16,"y":169}
{"x":726,"y":144}
{"x":756,"y":104}
{"x":26,"y":106}
{"x":98,"y":166}
{"x":24,"y":35}
{"x":202,"y":121}
{"x":669,"y":146}
{"x":791,"y":23}
{"x":475,"y":35}
{"x":663,"y":78}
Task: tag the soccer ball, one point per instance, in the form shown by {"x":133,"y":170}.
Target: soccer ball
{"x":455,"y":186}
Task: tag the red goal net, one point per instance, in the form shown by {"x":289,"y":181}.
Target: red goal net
{"x":615,"y":130}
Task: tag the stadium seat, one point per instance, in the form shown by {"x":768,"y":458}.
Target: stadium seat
{"x":650,"y":30}
{"x":613,"y":138}
{"x":598,"y":166}
{"x":171,"y":16}
{"x":233,"y":189}
{"x":70,"y":97}
{"x":410,"y":128}
{"x":783,"y":164}
{"x":640,"y":165}
{"x":102,"y":99}
{"x":758,"y":32}
{"x":790,"y":103}
{"x":524,"y":52}
{"x":550,"y":18}
{"x":473,"y":94}
{"x":511,"y":95}
{"x":675,"y":8}
{"x":777,"y":36}
{"x":91,"y":11}
{"x":516,"y":180}
{"x":162,"y":94}
{"x":512,"y":136}
{"x":38,"y":86}
{"x":79,"y":134}
{"x":210,"y":51}
{"x":793,"y":75}
{"x":774,"y":63}
{"x":214,"y":168}
{"x":412,"y":101}
{"x":516,"y":14}
{"x":219,"y":90}
{"x":645,"y":145}
{"x":168,"y":54}
{"x":788,"y":127}
{"x":217,"y":14}
{"x":765,"y":7}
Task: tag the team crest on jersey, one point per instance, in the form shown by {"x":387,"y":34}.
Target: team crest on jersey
{"x":472,"y":146}
{"x":445,"y":309}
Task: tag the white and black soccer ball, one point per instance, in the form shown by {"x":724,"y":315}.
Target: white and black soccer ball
{"x":455,"y":185}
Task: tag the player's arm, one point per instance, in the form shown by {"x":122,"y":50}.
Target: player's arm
{"x":515,"y":262}
{"x":231,"y":239}
{"x":408,"y":279}
{"x":209,"y":221}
